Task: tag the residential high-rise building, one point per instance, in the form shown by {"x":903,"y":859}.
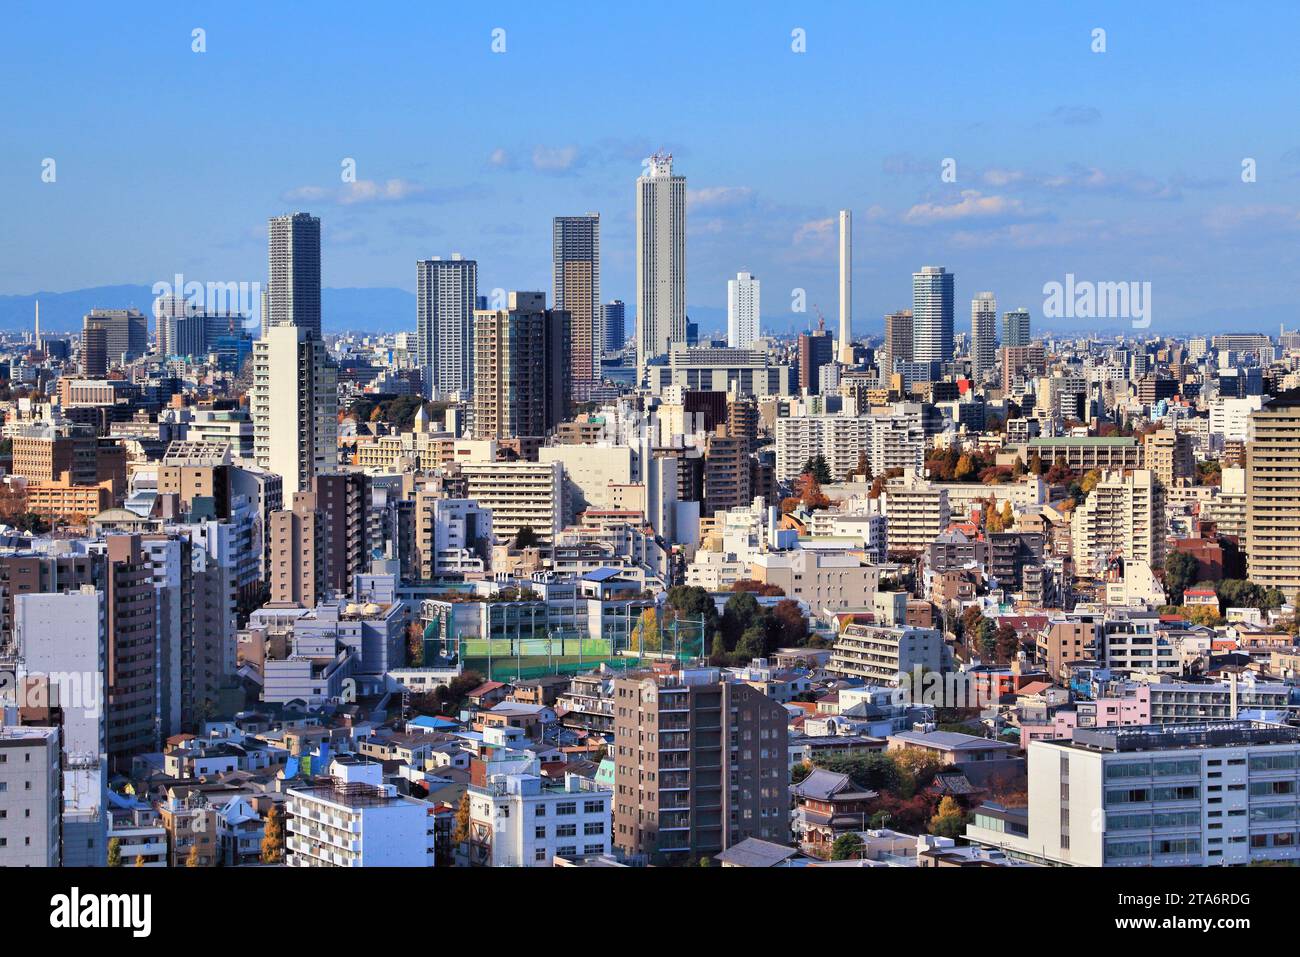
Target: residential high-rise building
{"x":1168,"y":453}
{"x":293,"y":273}
{"x":132,"y":654}
{"x":576,"y":290}
{"x":294,"y":405}
{"x":983,"y":335}
{"x":700,"y":765}
{"x":1273,"y":495}
{"x":296,"y":545}
{"x":660,"y":259}
{"x":846,"y":287}
{"x":1123,"y":516}
{"x":341,"y":499}
{"x":898,"y":339}
{"x":742,"y":311}
{"x":446,"y":293}
{"x":816,"y":349}
{"x":522,"y":368}
{"x":612,"y":317}
{"x":932,"y":314}
{"x":1015,"y":328}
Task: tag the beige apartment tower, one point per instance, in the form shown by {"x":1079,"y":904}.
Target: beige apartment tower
{"x":1273,"y":495}
{"x":295,"y":406}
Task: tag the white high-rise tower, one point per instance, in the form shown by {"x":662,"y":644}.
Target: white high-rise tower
{"x":846,"y":287}
{"x":742,"y":311}
{"x":660,"y":259}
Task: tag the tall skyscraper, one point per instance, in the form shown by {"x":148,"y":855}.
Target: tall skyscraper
{"x":846,"y":286}
{"x":576,"y":290}
{"x":521,"y":368}
{"x":983,"y":335}
{"x":660,"y":259}
{"x":446,"y":294}
{"x":1015,"y":327}
{"x":932,"y":314}
{"x":293,"y":273}
{"x":612,"y":316}
{"x":898,"y":339}
{"x":1273,"y":495}
{"x":294,"y":406}
{"x":742,"y":311}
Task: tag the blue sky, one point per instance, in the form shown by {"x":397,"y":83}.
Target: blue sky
{"x":1122,"y":165}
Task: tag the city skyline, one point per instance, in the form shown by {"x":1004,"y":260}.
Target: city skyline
{"x":1067,"y":176}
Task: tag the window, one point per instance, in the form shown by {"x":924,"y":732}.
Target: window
{"x":593,"y":807}
{"x":566,"y":808}
{"x":566,"y":830}
{"x":593,"y":827}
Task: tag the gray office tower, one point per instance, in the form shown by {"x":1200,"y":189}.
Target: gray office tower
{"x":1015,"y":327}
{"x":446,"y":294}
{"x":612,"y":317}
{"x":293,"y":273}
{"x":932,"y":314}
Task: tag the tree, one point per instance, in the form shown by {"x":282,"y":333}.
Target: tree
{"x":526,"y":538}
{"x":415,"y":644}
{"x":949,"y":821}
{"x":792,"y":623}
{"x":799,"y":771}
{"x":1006,"y":642}
{"x":193,"y":859}
{"x":809,"y":492}
{"x":819,"y":469}
{"x":965,"y":469}
{"x":1180,"y":572}
{"x":847,"y":847}
{"x":115,"y":853}
{"x":273,"y":838}
{"x":740,"y":611}
{"x":460,"y":834}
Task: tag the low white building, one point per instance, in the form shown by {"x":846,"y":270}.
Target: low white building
{"x":524,"y":820}
{"x":357,"y":821}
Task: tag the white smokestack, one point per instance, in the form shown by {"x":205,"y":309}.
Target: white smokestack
{"x":846,"y":286}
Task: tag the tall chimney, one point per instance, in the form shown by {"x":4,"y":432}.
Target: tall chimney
{"x":38,"y":322}
{"x":846,"y":286}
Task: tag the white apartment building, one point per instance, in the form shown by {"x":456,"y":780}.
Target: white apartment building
{"x":1230,"y":418}
{"x":29,"y":796}
{"x":1141,"y":796}
{"x":519,"y":495}
{"x":840,"y":439}
{"x":742,"y":311}
{"x":916,"y":512}
{"x":294,"y":406}
{"x":357,"y":821}
{"x":523,"y":820}
{"x":1124,"y":515}
{"x":879,"y":654}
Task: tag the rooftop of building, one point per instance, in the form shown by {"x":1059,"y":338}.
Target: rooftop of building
{"x":1166,"y":737}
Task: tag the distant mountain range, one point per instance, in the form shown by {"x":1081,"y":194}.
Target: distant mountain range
{"x":385,"y":309}
{"x":375,"y":309}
